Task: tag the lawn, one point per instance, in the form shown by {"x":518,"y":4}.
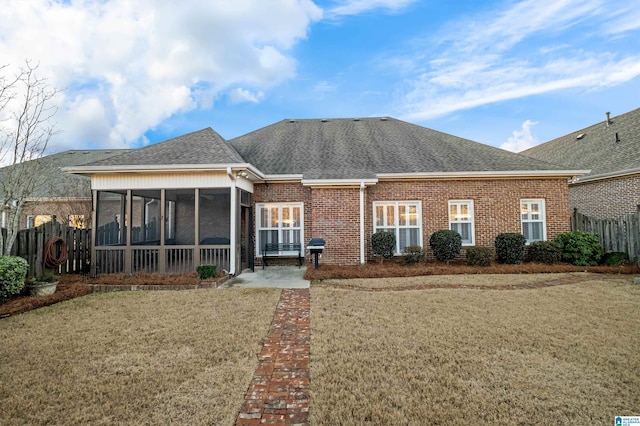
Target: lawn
{"x":182,"y":357}
{"x":558,"y":355}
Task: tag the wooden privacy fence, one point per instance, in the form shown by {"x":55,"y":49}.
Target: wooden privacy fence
{"x":620,"y":234}
{"x":31,"y":243}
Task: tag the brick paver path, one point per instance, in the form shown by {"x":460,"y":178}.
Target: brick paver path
{"x":279,"y":391}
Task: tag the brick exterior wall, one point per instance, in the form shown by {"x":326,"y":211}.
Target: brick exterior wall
{"x":334,"y":213}
{"x":61,"y":209}
{"x":606,"y":199}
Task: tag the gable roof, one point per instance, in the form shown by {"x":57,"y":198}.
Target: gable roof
{"x":202,"y":147}
{"x":368,"y":147}
{"x":595,"y":147}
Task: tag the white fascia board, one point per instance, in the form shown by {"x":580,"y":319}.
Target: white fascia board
{"x":283,"y":178}
{"x":483,"y":174}
{"x":603,"y":176}
{"x":164,"y":168}
{"x":339,"y":182}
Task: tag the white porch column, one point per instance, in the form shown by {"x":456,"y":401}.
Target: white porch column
{"x":232,"y":224}
{"x":362,"y":256}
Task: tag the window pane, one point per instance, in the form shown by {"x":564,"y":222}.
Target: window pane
{"x":286,"y":217}
{"x":391,"y":215}
{"x":402,"y":215}
{"x":413,"y":215}
{"x":414,"y":236}
{"x":296,"y":217}
{"x":403,"y":236}
{"x":536,"y":231}
{"x":274,"y":217}
{"x":453,"y":212}
{"x":379,"y":215}
{"x":264,"y":217}
{"x":464,"y":211}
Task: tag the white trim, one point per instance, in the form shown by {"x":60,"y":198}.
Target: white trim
{"x":603,"y":176}
{"x":542,"y":212}
{"x":356,"y":183}
{"x":471,"y":221}
{"x":283,"y":178}
{"x":397,"y":225}
{"x":482,"y":174}
{"x":362,"y":254}
{"x":164,"y":168}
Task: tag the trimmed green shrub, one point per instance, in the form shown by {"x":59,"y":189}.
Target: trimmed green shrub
{"x":544,"y":252}
{"x":206,"y":271}
{"x":383,"y":244}
{"x":412,"y":255}
{"x":580,"y":248}
{"x":510,"y":247}
{"x":480,"y":256}
{"x":615,"y":258}
{"x":446,"y":244}
{"x":13,"y":271}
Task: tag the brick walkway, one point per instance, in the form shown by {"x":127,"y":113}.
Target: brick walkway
{"x":279,"y":391}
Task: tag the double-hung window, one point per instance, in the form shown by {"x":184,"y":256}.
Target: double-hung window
{"x":279,"y":223}
{"x":532,"y":216}
{"x":403,"y":219}
{"x":461,"y":220}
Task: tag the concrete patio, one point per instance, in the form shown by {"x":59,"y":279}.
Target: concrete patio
{"x":270,"y":277}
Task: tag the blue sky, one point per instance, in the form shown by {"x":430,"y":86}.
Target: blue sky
{"x":506,"y":73}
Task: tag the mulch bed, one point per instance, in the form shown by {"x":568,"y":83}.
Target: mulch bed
{"x":390,"y":269}
{"x":24,"y":303}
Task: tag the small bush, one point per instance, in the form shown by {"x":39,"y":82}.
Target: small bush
{"x":510,"y":247}
{"x":479,"y":256}
{"x":544,"y":252}
{"x":615,"y":258}
{"x":413,"y":255}
{"x":446,"y":244}
{"x":580,"y":248}
{"x":206,"y":271}
{"x":13,"y":271}
{"x":383,"y":244}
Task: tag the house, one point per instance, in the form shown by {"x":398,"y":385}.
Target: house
{"x":199,"y":199}
{"x":611,"y":150}
{"x":56,"y":193}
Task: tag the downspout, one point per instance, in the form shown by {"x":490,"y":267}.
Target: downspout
{"x":362,"y":257}
{"x":232,"y":224}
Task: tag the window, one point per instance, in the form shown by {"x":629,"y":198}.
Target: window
{"x":279,"y":223}
{"x":461,"y":220}
{"x":37,"y":220}
{"x":77,"y":221}
{"x":403,"y":219}
{"x":532,"y":216}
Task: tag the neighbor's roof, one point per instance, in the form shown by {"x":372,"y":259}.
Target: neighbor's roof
{"x":609,"y":150}
{"x":368,"y":147}
{"x":62,"y":184}
{"x":198,"y":148}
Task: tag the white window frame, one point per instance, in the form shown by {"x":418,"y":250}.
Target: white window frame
{"x":396,"y":225}
{"x":527,"y":202}
{"x":470,"y":220}
{"x":281,"y":229}
{"x":43,"y":218}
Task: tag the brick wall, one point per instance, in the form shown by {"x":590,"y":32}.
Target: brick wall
{"x":606,"y":199}
{"x":334,"y":213}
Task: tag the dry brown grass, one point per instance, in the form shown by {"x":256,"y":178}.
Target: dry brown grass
{"x":557,"y":355}
{"x":395,"y":269}
{"x":183,"y":357}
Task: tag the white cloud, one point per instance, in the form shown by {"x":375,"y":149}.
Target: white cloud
{"x":239,"y":95}
{"x":356,"y":7}
{"x":521,"y":139}
{"x":513,"y":53}
{"x":324,"y":86}
{"x":126,"y":66}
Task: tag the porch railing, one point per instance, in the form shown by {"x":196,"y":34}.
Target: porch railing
{"x":177,"y":259}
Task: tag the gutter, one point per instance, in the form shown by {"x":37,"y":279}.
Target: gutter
{"x":603,"y":176}
{"x":482,"y":174}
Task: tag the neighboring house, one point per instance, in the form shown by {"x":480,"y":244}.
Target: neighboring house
{"x":199,"y":199}
{"x":65,"y":196}
{"x":611,"y":150}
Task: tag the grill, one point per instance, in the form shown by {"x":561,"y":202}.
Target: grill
{"x":315,"y":247}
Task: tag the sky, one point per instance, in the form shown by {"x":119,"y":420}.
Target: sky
{"x":507,"y":73}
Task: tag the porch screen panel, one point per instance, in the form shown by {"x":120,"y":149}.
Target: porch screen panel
{"x":110,"y":212}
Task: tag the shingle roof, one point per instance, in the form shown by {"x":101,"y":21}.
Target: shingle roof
{"x":597,"y":148}
{"x":62,"y":184}
{"x":202,"y":147}
{"x":361,"y":148}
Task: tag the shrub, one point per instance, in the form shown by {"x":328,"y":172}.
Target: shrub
{"x":510,"y":247}
{"x":13,"y":271}
{"x":479,"y":256}
{"x":446,"y":244}
{"x":544,"y":252}
{"x":412,"y":255}
{"x":615,"y":258}
{"x":206,"y":271}
{"x":383,"y":244}
{"x":580,"y":248}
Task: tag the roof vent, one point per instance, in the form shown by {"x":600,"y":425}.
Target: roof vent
{"x":356,"y":119}
{"x":292,"y":121}
{"x":617,"y":138}
{"x":384,"y":118}
{"x":324,"y":120}
{"x":608,"y":119}
{"x":580,"y":136}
